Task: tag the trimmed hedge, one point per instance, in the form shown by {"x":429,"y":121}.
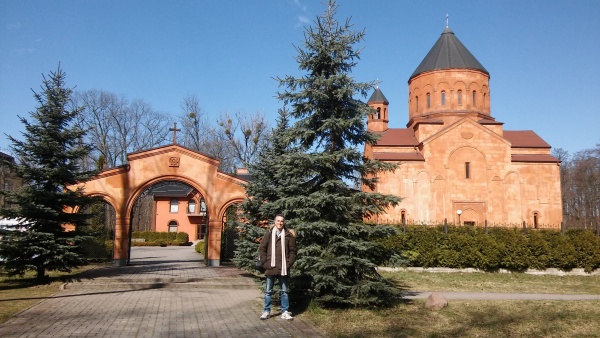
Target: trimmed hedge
{"x":501,"y":248}
{"x":160,"y":238}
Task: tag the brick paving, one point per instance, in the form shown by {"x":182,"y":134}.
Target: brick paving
{"x":164,"y":292}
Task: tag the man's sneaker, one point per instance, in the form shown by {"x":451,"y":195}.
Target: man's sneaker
{"x":287,"y":316}
{"x":265,"y":315}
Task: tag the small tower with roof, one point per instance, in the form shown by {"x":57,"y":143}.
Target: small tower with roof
{"x":378,"y":120}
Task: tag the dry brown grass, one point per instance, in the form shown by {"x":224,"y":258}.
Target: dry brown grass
{"x":471,"y":318}
{"x":465,"y":319}
{"x":495,"y":282}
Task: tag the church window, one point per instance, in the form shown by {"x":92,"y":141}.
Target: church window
{"x":535,"y":220}
{"x":474,"y":98}
{"x":174,"y":206}
{"x":443,"y":98}
{"x":460,"y":97}
{"x":417,"y":102}
{"x":467,"y":170}
{"x":428,"y":101}
{"x":378,"y":113}
{"x":173,"y":226}
{"x":403,"y":217}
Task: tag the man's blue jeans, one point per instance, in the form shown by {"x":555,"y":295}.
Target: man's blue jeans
{"x":283,"y":284}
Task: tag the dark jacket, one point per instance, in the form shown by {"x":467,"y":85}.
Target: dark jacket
{"x":264,"y":251}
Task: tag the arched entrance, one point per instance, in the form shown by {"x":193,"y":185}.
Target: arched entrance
{"x":124,"y":186}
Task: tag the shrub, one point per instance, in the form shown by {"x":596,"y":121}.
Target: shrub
{"x":154,"y":238}
{"x":506,"y":248}
{"x":199,"y":247}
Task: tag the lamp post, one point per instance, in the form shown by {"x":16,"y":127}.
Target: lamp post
{"x":458,"y":212}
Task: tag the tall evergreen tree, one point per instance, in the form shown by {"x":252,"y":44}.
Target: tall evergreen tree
{"x":314,"y":185}
{"x":263,"y":192}
{"x":49,"y":162}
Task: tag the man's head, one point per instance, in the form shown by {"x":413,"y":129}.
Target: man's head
{"x":279,"y":222}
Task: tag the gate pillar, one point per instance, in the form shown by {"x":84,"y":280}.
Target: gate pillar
{"x":213,"y":256}
{"x":121,"y":243}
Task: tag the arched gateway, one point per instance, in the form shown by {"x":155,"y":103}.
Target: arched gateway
{"x":122,"y":186}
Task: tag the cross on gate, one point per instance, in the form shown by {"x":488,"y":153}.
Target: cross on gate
{"x":174,"y":130}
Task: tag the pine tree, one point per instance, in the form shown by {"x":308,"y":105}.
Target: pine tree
{"x":49,"y":160}
{"x":312,"y":179}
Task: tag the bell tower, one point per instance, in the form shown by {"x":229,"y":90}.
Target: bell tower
{"x":378,"y":120}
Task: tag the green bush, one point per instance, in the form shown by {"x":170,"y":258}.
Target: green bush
{"x":501,"y":248}
{"x":154,"y":238}
{"x":199,"y":247}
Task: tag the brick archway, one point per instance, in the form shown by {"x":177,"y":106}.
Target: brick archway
{"x":123,"y":185}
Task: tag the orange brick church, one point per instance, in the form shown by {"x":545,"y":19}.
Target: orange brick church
{"x":455,"y":161}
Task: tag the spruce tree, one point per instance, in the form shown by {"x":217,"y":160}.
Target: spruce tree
{"x":313,"y":179}
{"x":263,"y":193}
{"x":48,"y":162}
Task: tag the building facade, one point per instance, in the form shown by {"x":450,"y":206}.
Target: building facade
{"x":456,"y":163}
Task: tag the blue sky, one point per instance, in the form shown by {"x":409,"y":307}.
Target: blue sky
{"x":543,"y":56}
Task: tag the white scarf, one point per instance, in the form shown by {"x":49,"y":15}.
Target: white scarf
{"x":283,"y":260}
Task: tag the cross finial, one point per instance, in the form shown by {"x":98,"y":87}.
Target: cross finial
{"x":174,"y":130}
{"x":447,"y":20}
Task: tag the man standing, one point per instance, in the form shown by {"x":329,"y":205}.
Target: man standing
{"x":277,"y":252}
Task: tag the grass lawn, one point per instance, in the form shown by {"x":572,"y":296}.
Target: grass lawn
{"x":471,"y":318}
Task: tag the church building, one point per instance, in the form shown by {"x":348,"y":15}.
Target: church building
{"x":456,"y":162}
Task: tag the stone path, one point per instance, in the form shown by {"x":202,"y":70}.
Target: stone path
{"x":164,"y":292}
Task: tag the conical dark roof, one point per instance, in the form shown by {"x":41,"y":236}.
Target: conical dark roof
{"x":378,"y":97}
{"x":448,"y":53}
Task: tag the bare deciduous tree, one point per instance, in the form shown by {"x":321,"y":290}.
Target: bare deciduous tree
{"x":118,"y":127}
{"x":246,"y":133}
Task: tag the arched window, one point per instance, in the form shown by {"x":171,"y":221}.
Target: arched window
{"x":173,"y":226}
{"x":459,"y":96}
{"x":417,"y":102}
{"x":443,"y":98}
{"x":428,"y":100}
{"x":403,"y":217}
{"x":474,"y":98}
{"x":174,"y":205}
{"x":378,"y":113}
{"x":535,"y":220}
{"x":191,"y":206}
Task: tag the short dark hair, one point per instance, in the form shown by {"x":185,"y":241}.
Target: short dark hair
{"x":279,"y":215}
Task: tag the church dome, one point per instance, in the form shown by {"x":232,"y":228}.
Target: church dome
{"x":448,"y":53}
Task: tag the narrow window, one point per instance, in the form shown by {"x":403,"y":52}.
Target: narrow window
{"x":417,"y":102}
{"x":428,"y":101}
{"x":403,"y":219}
{"x":385,"y":113}
{"x":535,"y":220}
{"x":460,"y":97}
{"x":173,"y":226}
{"x":443,"y":98}
{"x":378,"y":113}
{"x":474,"y":98}
{"x":191,"y":206}
{"x":202,"y":207}
{"x":174,"y":205}
{"x":467,"y":169}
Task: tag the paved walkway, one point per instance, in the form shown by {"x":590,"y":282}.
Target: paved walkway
{"x":164,"y":292}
